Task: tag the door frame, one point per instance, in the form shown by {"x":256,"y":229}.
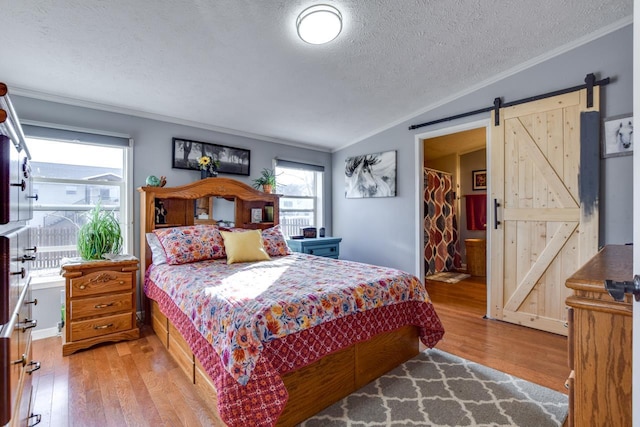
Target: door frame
{"x":419,"y":185}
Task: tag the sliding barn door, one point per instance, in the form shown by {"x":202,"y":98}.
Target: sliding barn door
{"x":545,"y":232}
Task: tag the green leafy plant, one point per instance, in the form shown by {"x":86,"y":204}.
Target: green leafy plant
{"x":100,"y":235}
{"x":267,"y":180}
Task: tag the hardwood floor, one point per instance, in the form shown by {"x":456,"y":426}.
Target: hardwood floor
{"x":133,"y":383}
{"x":536,"y":356}
{"x":136,"y":383}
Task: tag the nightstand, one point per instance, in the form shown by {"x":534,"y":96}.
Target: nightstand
{"x":322,"y":246}
{"x":100,"y":303}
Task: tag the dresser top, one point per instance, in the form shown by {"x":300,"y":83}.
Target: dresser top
{"x":613,"y":262}
{"x":71,"y":264}
{"x":317,"y":239}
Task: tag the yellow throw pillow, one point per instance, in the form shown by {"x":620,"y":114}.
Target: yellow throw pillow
{"x":244,"y":247}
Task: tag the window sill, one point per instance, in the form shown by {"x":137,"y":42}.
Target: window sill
{"x":39,"y":283}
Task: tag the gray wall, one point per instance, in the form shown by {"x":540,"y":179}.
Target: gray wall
{"x":152,"y":152}
{"x":152,"y":155}
{"x":383,"y":231}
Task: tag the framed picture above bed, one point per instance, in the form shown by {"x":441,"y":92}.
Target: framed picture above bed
{"x":186,"y":153}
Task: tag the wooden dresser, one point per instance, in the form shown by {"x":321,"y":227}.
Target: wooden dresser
{"x":100,"y":303}
{"x":17,"y":253}
{"x":600,"y":332}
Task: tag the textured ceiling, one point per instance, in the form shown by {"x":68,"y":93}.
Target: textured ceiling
{"x":239,"y":65}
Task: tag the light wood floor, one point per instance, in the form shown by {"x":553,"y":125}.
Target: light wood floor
{"x":136,"y":383}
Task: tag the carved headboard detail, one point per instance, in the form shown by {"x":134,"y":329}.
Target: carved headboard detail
{"x":179,"y":204}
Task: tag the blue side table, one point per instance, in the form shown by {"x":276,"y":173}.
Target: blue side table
{"x":321,"y":246}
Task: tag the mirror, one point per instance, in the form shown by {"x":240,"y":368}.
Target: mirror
{"x":210,"y":210}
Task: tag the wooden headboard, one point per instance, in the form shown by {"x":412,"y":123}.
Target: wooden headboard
{"x":180,"y":203}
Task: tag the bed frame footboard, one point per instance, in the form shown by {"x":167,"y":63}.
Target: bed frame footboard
{"x":310,"y":388}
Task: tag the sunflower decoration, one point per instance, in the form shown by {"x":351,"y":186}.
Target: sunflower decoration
{"x":206,"y":163}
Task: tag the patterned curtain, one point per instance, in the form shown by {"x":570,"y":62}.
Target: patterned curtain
{"x":441,"y":249}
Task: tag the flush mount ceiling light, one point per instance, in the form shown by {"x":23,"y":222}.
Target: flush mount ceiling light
{"x":319,"y":24}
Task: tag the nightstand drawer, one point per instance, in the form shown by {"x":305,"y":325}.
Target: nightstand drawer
{"x":100,"y":326}
{"x":331,"y":251}
{"x":100,"y":282}
{"x":102,"y":305}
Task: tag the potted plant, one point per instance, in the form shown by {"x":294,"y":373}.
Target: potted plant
{"x":100,"y":235}
{"x":267,"y":181}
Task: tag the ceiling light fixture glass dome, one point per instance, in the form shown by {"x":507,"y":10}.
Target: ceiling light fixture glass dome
{"x":319,"y":24}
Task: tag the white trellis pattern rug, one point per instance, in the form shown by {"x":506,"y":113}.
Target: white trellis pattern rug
{"x":438,"y":389}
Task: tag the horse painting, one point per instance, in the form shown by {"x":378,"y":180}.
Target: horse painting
{"x":618,"y":136}
{"x":371,"y":175}
{"x":624,"y":135}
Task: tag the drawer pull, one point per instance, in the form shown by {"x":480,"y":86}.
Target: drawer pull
{"x":108,"y":325}
{"x":20,"y":273}
{"x":37,"y":417}
{"x":103,"y":305}
{"x":33,"y":249}
{"x":311,"y":251}
{"x":82,"y":287}
{"x":34,"y":367}
{"x":22,"y":185}
{"x":566,"y":384}
{"x":26,"y":258}
{"x":33,"y":197}
{"x":34,"y":302}
{"x":333,"y":249}
{"x":27,"y":324}
{"x":22,"y":361}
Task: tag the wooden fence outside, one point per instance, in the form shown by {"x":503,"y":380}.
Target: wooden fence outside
{"x":53,"y":244}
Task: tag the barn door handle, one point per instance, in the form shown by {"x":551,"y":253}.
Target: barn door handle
{"x":496,"y":205}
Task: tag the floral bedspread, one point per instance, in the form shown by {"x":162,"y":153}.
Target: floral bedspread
{"x":242,"y":309}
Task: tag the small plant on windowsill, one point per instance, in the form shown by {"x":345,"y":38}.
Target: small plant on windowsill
{"x":267,"y":181}
{"x":100,"y":235}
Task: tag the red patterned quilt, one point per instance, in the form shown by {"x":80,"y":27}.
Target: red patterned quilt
{"x":265,"y":319}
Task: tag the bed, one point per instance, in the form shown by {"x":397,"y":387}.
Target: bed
{"x":272,"y":341}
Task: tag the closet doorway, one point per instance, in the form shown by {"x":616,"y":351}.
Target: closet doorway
{"x":449,"y":161}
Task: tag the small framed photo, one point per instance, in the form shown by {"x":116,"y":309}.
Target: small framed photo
{"x":479,"y":179}
{"x":256,"y":215}
{"x":309,"y":232}
{"x":618,"y":136}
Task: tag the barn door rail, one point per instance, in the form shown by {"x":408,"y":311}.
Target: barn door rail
{"x":590,"y":82}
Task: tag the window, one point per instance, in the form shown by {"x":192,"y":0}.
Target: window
{"x":72,"y":171}
{"x":301,"y":204}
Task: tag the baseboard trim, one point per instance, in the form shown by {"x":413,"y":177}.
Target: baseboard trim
{"x":44,"y":333}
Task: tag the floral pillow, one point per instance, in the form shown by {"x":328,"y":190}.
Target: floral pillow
{"x":157,"y":251}
{"x":274,"y":241}
{"x":191,"y":243}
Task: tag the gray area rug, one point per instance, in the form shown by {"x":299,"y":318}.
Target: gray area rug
{"x":438,"y":389}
